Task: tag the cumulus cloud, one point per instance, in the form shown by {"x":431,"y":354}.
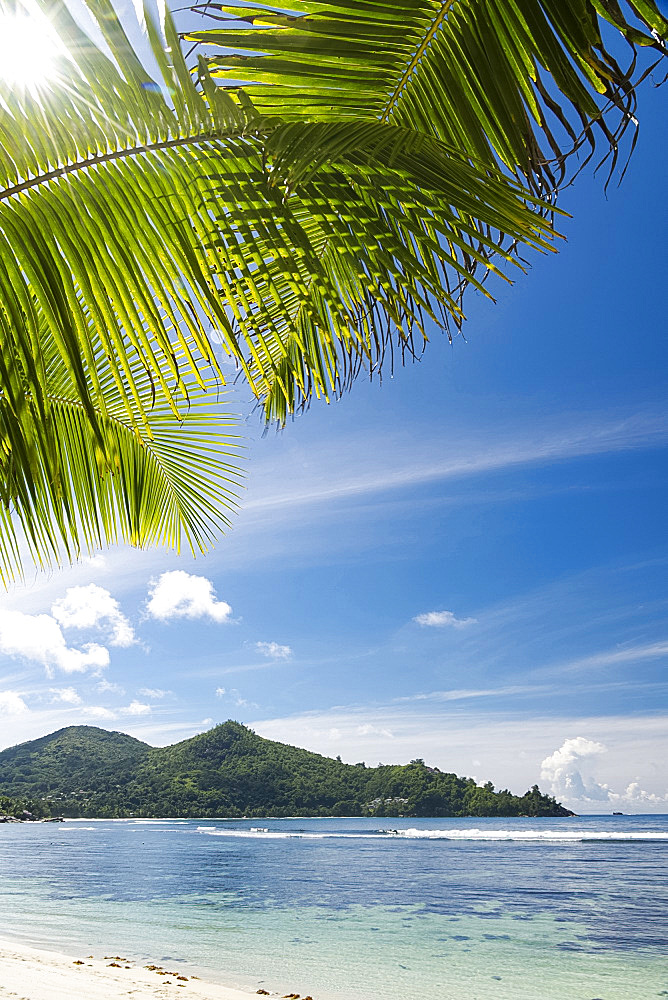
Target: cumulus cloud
{"x":40,"y":638}
{"x":273,"y":651}
{"x":635,"y":795}
{"x":94,"y":607}
{"x":67,"y":695}
{"x":153,"y":692}
{"x":11,"y":703}
{"x":563,"y":770}
{"x":97,"y":712}
{"x":177,"y":594}
{"x":221,"y":692}
{"x":136,"y":708}
{"x":443,"y":619}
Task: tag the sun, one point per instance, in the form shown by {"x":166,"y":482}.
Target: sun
{"x":30,"y":48}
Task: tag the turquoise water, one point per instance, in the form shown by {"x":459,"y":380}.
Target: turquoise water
{"x":509,"y":909}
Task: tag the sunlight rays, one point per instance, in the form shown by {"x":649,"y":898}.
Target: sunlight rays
{"x":30,"y":48}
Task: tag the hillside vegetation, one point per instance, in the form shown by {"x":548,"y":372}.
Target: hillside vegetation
{"x":230,"y":771}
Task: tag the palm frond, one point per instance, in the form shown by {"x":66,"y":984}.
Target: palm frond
{"x":388,"y":156}
{"x":172,"y":482}
{"x":140,"y":223}
{"x":524,"y":83}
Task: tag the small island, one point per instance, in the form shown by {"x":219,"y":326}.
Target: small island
{"x":230,"y":771}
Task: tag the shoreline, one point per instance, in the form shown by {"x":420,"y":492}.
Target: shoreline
{"x":29,"y":973}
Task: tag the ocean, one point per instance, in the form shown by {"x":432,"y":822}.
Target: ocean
{"x":357,"y":909}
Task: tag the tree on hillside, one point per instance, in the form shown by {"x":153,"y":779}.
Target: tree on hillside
{"x":299,"y":208}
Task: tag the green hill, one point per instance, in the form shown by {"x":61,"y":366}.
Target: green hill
{"x":73,"y":759}
{"x":230,"y":771}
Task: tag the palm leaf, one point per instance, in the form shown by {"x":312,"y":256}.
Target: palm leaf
{"x":142,"y":223}
{"x":512,"y":89}
{"x":520,"y":82}
{"x":310,"y":229}
{"x":172,"y":482}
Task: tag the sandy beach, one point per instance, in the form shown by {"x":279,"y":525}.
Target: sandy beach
{"x":33,"y":974}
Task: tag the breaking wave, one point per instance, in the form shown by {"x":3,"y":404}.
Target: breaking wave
{"x":453,"y":833}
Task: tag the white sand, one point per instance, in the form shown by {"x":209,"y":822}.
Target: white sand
{"x":31,"y":974}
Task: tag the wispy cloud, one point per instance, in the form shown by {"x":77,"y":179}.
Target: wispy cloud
{"x":110,"y":687}
{"x":235,"y":697}
{"x":239,"y":668}
{"x":612,"y":657}
{"x":465,"y":694}
{"x":563,"y":439}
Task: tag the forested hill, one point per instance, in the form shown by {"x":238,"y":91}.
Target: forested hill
{"x":230,"y":771}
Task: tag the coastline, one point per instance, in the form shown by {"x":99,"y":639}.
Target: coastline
{"x":36,"y":974}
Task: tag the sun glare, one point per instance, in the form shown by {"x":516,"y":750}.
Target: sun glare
{"x":29,"y":48}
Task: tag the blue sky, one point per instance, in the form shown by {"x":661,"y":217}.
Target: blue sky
{"x":466,"y":563}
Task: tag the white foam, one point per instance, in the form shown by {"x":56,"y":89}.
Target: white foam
{"x":458,"y":834}
{"x":567,"y":836}
{"x":72,"y":829}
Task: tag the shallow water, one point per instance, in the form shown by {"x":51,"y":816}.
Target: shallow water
{"x":508,"y":909}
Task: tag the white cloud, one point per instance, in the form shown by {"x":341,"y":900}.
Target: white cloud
{"x":177,"y":594}
{"x":94,"y":607}
{"x":136,"y":708}
{"x":563,"y":770}
{"x":206,"y":722}
{"x":39,"y":638}
{"x":244,"y":702}
{"x":612,"y":657}
{"x":348,"y":470}
{"x":11,"y":703}
{"x":443,"y":619}
{"x":96,"y":562}
{"x":109,"y":686}
{"x":97,"y":712}
{"x":465,"y":694}
{"x":369,"y":730}
{"x":236,"y":697}
{"x":273,"y":651}
{"x":67,"y":695}
{"x":153,"y":692}
{"x":635,"y":795}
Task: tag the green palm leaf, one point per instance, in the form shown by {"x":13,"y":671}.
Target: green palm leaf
{"x":171,"y":482}
{"x":512,"y":89}
{"x":145,"y":222}
{"x":389,"y":157}
{"x":520,"y":82}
